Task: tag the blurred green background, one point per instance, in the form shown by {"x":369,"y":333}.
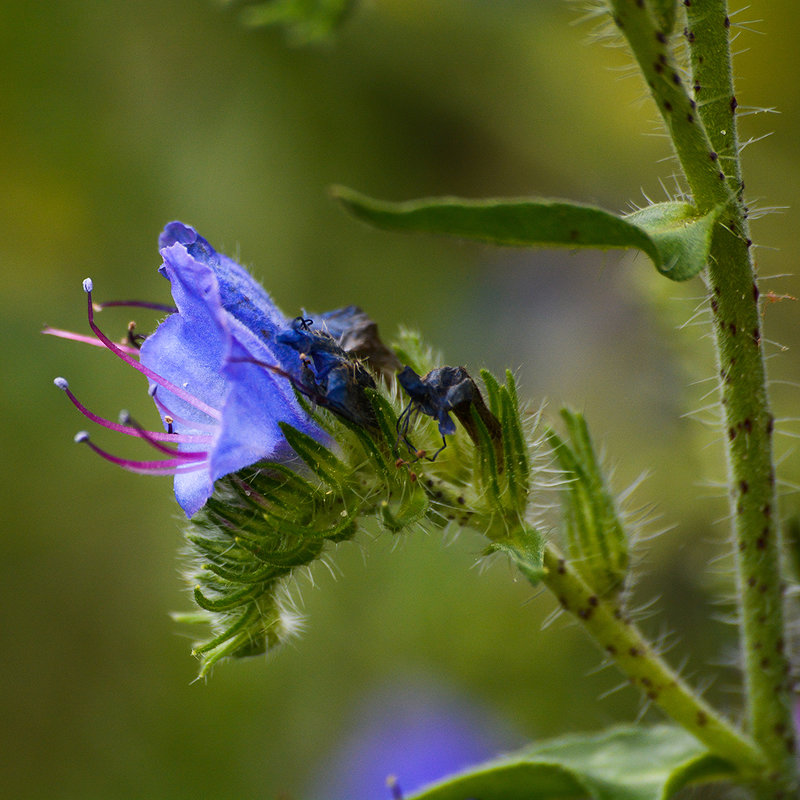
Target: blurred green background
{"x":117,"y":117}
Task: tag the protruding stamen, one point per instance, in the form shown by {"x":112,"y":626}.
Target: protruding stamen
{"x":167,"y":466}
{"x":135,"y":304}
{"x":135,"y":339}
{"x":156,"y":378}
{"x":79,"y":337}
{"x":62,"y":384}
{"x":166,"y":412}
{"x":394,"y":787}
{"x":126,"y":419}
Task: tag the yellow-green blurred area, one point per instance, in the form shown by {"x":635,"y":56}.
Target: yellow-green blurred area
{"x":118,"y":117}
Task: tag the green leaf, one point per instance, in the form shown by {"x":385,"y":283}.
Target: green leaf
{"x":682,"y":238}
{"x":675,"y":238}
{"x":305,"y":21}
{"x":626,"y":763}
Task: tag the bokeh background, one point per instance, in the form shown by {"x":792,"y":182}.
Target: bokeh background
{"x":117,"y":117}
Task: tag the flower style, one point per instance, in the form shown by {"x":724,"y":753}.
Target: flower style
{"x":206,"y":364}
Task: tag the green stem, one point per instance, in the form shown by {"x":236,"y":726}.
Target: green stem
{"x":705,"y":139}
{"x":693,"y":146}
{"x":748,"y":421}
{"x":607,"y":624}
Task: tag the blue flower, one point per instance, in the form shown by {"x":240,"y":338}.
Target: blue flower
{"x":217,"y":372}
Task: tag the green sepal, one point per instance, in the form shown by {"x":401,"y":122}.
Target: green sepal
{"x":510,"y":472}
{"x":227,"y":601}
{"x":675,"y":237}
{"x":409,"y":510}
{"x":318,"y":458}
{"x":526,"y":550}
{"x":627,"y":763}
{"x":596,"y":538}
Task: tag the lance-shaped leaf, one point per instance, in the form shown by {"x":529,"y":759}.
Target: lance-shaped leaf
{"x":622,"y":764}
{"x":673,"y":235}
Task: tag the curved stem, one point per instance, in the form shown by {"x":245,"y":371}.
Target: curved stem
{"x":622,"y":641}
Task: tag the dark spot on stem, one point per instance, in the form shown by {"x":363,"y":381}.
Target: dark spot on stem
{"x":764,"y":663}
{"x":734,"y":104}
{"x":702,"y":718}
{"x":460,"y":500}
{"x":756,"y":337}
{"x":755,"y":291}
{"x":731,"y":433}
{"x":744,"y":487}
{"x":593,"y":601}
{"x":635,"y":652}
{"x":747,"y":425}
{"x":751,"y":581}
{"x":667,"y":106}
{"x":689,"y":35}
{"x":658,"y":67}
{"x":732,"y":328}
{"x":611,"y":649}
{"x":690,"y":118}
{"x":714,"y":305}
{"x":761,"y":542}
{"x":770,"y":425}
{"x":661,"y":37}
{"x":727,"y":22}
{"x":585,"y":613}
{"x":562,"y":566}
{"x":676,"y":79}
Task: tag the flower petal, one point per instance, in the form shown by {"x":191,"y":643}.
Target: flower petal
{"x":214,"y":346}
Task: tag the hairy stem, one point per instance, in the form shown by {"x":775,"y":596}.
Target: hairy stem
{"x":703,"y":131}
{"x":622,"y":641}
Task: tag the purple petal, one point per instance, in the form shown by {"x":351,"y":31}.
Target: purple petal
{"x":214,"y":347}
